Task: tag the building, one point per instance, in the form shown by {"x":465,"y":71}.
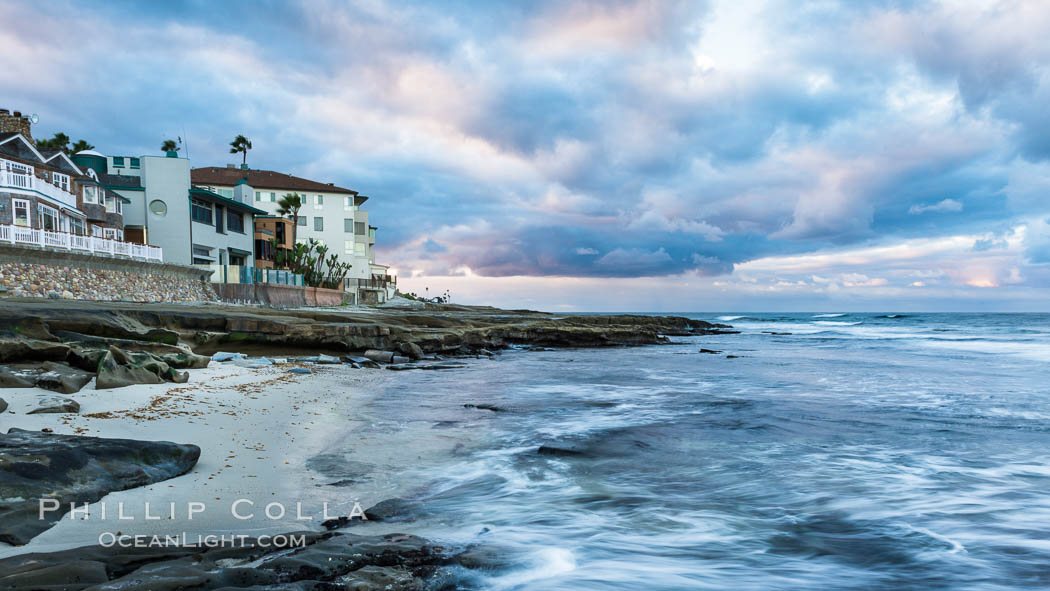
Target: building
{"x":330,"y":215}
{"x":49,"y":200}
{"x":193,"y":225}
{"x":273,"y":234}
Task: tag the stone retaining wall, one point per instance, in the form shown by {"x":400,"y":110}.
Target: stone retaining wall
{"x":26,"y":272}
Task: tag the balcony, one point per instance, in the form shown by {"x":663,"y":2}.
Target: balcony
{"x":15,"y":235}
{"x":19,"y":178}
{"x":375,"y":282}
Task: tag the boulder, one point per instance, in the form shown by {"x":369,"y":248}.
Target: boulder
{"x":558,"y":452}
{"x":14,"y":378}
{"x":18,"y":348}
{"x":411,"y":350}
{"x":442,"y":366}
{"x":59,"y":377}
{"x":224,"y":356}
{"x":300,"y":370}
{"x":380,"y":356}
{"x":3,"y":405}
{"x":360,"y":361}
{"x":328,"y":359}
{"x":253,"y":363}
{"x":85,"y":359}
{"x":122,"y":368}
{"x":183,"y":359}
{"x":55,"y":404}
{"x":74,"y":469}
{"x":400,"y":359}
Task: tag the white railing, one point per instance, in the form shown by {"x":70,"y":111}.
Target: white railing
{"x":73,"y":242}
{"x":20,"y":177}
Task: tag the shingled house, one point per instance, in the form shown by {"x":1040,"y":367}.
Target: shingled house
{"x":49,"y":201}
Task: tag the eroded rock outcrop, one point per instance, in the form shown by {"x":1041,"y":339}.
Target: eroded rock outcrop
{"x":75,"y":469}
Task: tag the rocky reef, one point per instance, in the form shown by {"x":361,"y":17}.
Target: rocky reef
{"x":60,"y":330}
{"x":322,"y":562}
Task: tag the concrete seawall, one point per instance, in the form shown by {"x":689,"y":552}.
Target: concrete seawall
{"x":276,"y":295}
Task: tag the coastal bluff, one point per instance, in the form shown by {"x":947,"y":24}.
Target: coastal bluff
{"x":35,"y":330}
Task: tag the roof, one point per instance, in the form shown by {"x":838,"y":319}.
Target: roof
{"x":261,"y":179}
{"x":120,"y":181}
{"x":226,"y":200}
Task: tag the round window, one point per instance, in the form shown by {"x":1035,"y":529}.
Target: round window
{"x":158,"y":207}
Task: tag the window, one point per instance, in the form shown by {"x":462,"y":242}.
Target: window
{"x":319,"y":224}
{"x":118,"y":162}
{"x":372,"y":232}
{"x":227,"y":193}
{"x":201,"y":211}
{"x":258,"y":195}
{"x":113,"y":234}
{"x":348,"y":204}
{"x":348,"y":246}
{"x":134,"y":162}
{"x":77,"y":226}
{"x":61,"y":180}
{"x":96,"y":231}
{"x":235,"y":222}
{"x":158,"y":207}
{"x":202,"y":255}
{"x":21,"y":175}
{"x":48,"y":218}
{"x":114,"y":204}
{"x":360,"y":249}
{"x":21,"y":208}
{"x":359,"y":228}
{"x":302,"y":220}
{"x":348,"y":225}
{"x":90,"y":194}
{"x":273,"y":197}
{"x":319,"y":204}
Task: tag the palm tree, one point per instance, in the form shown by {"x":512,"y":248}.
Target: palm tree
{"x":241,"y":144}
{"x":289,"y":205}
{"x":59,"y":142}
{"x":169,"y":146}
{"x":81,"y":145}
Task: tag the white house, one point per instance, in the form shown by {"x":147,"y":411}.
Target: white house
{"x":331,"y":215}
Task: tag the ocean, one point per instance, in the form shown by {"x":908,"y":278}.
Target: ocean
{"x":813,"y":451}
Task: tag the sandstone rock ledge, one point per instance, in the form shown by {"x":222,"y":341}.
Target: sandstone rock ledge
{"x":37,"y":330}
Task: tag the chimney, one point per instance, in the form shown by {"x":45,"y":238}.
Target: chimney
{"x":15,"y":122}
{"x":242,"y":192}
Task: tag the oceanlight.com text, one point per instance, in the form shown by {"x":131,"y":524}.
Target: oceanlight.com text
{"x":181,"y":540}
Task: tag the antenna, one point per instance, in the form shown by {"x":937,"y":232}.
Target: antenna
{"x":34,"y":119}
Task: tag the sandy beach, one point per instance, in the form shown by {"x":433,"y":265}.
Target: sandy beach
{"x":259,"y":431}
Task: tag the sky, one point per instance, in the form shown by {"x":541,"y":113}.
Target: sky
{"x":570,"y":155}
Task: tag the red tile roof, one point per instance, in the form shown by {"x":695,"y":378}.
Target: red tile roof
{"x":261,"y":179}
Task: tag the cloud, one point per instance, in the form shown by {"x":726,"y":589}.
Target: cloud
{"x":697,"y":141}
{"x":636,"y":261}
{"x":943,"y":206}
